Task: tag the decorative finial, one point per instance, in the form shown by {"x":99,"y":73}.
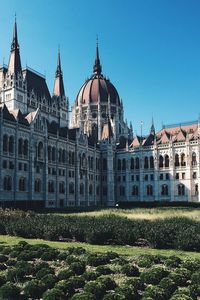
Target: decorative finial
{"x":97,"y":66}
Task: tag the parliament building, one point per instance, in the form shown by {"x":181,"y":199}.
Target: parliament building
{"x":52,"y":156}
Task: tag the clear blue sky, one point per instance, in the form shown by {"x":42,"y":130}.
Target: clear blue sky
{"x":150,"y":50}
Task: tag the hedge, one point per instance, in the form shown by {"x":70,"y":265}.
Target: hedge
{"x":174,"y":233}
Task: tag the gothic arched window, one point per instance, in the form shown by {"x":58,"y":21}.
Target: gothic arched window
{"x":160,"y":161}
{"x":166,"y":161}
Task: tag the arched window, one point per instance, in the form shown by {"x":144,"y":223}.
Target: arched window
{"x":22,"y":184}
{"x":146,"y":162}
{"x":25,"y":148}
{"x":11,"y":144}
{"x":97,"y":190}
{"x":73,"y":158}
{"x":176,"y":160}
{"x":51,"y":186}
{"x":137,"y":163}
{"x":5,"y":143}
{"x":160,"y":161}
{"x":83,"y":160}
{"x":7,"y":183}
{"x":49,"y":153}
{"x":53,"y":153}
{"x":151,"y":162}
{"x":149,"y":190}
{"x":181,"y":190}
{"x":135,"y":190}
{"x":194,"y":159}
{"x":166,"y":161}
{"x":91,"y":163}
{"x":164,"y":190}
{"x":196,"y":189}
{"x":63,"y":156}
{"x":81,"y":189}
{"x":124,"y":164}
{"x":71,"y":188}
{"x":20,"y":147}
{"x":60,"y":155}
{"x":104,"y":164}
{"x":61,"y":187}
{"x":132,"y":163}
{"x":183,"y":162}
{"x":119,"y":164}
{"x":40,"y":150}
{"x":90,"y":190}
{"x":38,"y":185}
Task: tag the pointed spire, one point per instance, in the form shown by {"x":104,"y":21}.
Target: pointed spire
{"x":14,"y":65}
{"x":97,"y":66}
{"x":59,"y":90}
{"x":152,"y":131}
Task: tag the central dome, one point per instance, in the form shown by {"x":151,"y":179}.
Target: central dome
{"x":98,"y":88}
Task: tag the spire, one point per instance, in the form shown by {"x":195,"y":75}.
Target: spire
{"x":59,"y":90}
{"x":152,"y":131}
{"x":97,"y":66}
{"x":14,"y":65}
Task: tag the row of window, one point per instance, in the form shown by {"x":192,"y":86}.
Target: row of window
{"x":179,"y":160}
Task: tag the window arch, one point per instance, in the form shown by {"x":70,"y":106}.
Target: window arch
{"x":7,"y":183}
{"x":61,"y":187}
{"x":196,"y":189}
{"x":135,"y":191}
{"x":132,"y":163}
{"x":90,"y":189}
{"x":53,"y":155}
{"x":60,"y":155}
{"x":160,"y":161}
{"x":11,"y":144}
{"x":166,"y":161}
{"x":151,"y":162}
{"x":137,"y":163}
{"x":97,"y":190}
{"x":49,"y":153}
{"x":40,"y":150}
{"x":38,"y":185}
{"x":149,"y":190}
{"x":25,"y":148}
{"x":81,"y":189}
{"x":22,"y":184}
{"x":119,"y":164}
{"x":183,"y":161}
{"x":20,"y":147}
{"x":71,"y":188}
{"x":164,"y":190}
{"x":51,"y":186}
{"x":146,"y":162}
{"x":194,"y":159}
{"x":176,"y":160}
{"x":124,"y":164}
{"x":5,"y":143}
{"x":181,"y":190}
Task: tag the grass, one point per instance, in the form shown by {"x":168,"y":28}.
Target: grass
{"x":144,"y":213}
{"x":122,"y":250}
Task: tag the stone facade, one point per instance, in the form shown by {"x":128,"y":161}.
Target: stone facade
{"x":48,"y":160}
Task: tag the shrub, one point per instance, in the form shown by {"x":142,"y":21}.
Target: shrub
{"x":104,"y":270}
{"x":53,"y":294}
{"x":196,"y":278}
{"x":42,"y":272}
{"x":11,"y":262}
{"x":34,"y":289}
{"x":130,"y":270}
{"x":76,"y":250}
{"x":153,"y":275}
{"x":91,"y":275}
{"x":3,"y":258}
{"x":15,"y":274}
{"x":124,"y":292}
{"x":77,"y":281}
{"x":168,"y":285}
{"x":71,"y":259}
{"x":78,"y":268}
{"x":191,"y":264}
{"x":180,"y":297}
{"x":109,"y":283}
{"x":112,"y":255}
{"x":41,"y":265}
{"x":2,"y":279}
{"x":173,"y":261}
{"x":65,"y":274}
{"x":95,"y":288}
{"x":49,"y":255}
{"x":194,"y":291}
{"x":97,"y":260}
{"x":180,"y":276}
{"x":6,"y":250}
{"x":65,"y":286}
{"x":145,"y":261}
{"x":49,"y":281}
{"x":135,"y":283}
{"x":3,"y":267}
{"x":83,"y":296}
{"x":154,"y":292}
{"x":9,"y":291}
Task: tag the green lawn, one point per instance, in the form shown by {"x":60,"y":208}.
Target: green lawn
{"x":122,"y":250}
{"x":144,"y":213}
